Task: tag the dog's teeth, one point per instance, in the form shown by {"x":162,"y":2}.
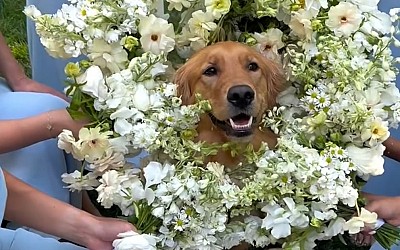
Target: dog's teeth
{"x":239,"y":127}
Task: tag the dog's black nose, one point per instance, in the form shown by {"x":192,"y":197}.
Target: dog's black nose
{"x":240,"y":96}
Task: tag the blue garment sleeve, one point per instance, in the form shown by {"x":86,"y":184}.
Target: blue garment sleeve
{"x":42,"y":164}
{"x":23,"y":240}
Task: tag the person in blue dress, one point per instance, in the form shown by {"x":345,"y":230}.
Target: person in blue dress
{"x":28,"y":206}
{"x":45,"y":69}
{"x":387,"y":186}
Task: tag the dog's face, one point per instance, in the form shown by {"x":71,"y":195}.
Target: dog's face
{"x":238,"y":81}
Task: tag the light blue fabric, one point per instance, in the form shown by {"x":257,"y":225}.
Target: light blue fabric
{"x":388,"y":183}
{"x":42,"y":164}
{"x":45,"y":69}
{"x":23,"y":240}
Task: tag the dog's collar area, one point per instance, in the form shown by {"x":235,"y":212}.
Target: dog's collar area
{"x":237,"y":126}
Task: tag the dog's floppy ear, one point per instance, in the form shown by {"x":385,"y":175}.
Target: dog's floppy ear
{"x":275,"y":77}
{"x":182,"y":79}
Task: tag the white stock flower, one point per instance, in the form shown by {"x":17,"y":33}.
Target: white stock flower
{"x":133,"y":241}
{"x":366,"y":5}
{"x":344,"y":19}
{"x":368,"y":161}
{"x":157,"y":35}
{"x":277,"y":220}
{"x":77,"y":181}
{"x":315,"y":5}
{"x":109,"y":189}
{"x":141,"y":98}
{"x":155,"y":172}
{"x":32,"y":12}
{"x":54,"y":47}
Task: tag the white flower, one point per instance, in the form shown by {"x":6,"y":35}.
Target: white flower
{"x":78,"y":182}
{"x":133,"y":241}
{"x":344,"y":19}
{"x":368,"y":161}
{"x":177,"y":4}
{"x":217,"y":7}
{"x":55,"y":48}
{"x":108,"y":56}
{"x":154,"y":173}
{"x":93,"y":81}
{"x":300,"y":24}
{"x":66,"y":141}
{"x":269,"y":42}
{"x":32,"y":12}
{"x":357,"y":223}
{"x":375,"y":131}
{"x":93,"y":142}
{"x":366,"y":5}
{"x":109,"y":189}
{"x":141,"y":98}
{"x":201,"y":24}
{"x":157,"y":35}
{"x":277,"y":219}
{"x":315,"y":5}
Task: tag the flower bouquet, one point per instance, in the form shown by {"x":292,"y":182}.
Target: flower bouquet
{"x":331,"y":120}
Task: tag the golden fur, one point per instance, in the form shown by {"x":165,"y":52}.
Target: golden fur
{"x":216,"y":69}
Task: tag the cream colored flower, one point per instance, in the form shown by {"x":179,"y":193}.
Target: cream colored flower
{"x":364,"y":220}
{"x":201,"y":24}
{"x":368,"y":161}
{"x":344,"y":19}
{"x":217,"y":7}
{"x":93,"y":143}
{"x":300,"y":24}
{"x":157,"y":35}
{"x":376,"y":131}
{"x":269,"y":42}
{"x":108,"y":56}
{"x":177,"y":4}
{"x":54,"y":47}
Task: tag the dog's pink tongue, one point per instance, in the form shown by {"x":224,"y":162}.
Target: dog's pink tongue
{"x":241,"y":122}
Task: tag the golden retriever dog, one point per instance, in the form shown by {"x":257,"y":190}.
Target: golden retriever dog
{"x":241,"y":86}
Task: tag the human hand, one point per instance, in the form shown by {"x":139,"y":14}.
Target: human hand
{"x":28,"y":85}
{"x":103,"y":231}
{"x":387,"y":208}
{"x":60,"y":119}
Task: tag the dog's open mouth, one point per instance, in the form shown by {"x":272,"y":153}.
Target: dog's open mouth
{"x":237,"y":126}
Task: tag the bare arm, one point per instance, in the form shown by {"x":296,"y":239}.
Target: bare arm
{"x":392,"y":148}
{"x":20,"y":133}
{"x":9,"y":67}
{"x":27,"y":206}
{"x":12,"y":71}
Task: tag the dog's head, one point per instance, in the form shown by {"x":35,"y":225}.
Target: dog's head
{"x":238,"y":81}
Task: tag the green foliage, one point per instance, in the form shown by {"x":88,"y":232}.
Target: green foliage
{"x":13,"y":27}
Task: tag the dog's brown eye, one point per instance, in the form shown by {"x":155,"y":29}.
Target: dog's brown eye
{"x":253,"y":66}
{"x":211,"y":71}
